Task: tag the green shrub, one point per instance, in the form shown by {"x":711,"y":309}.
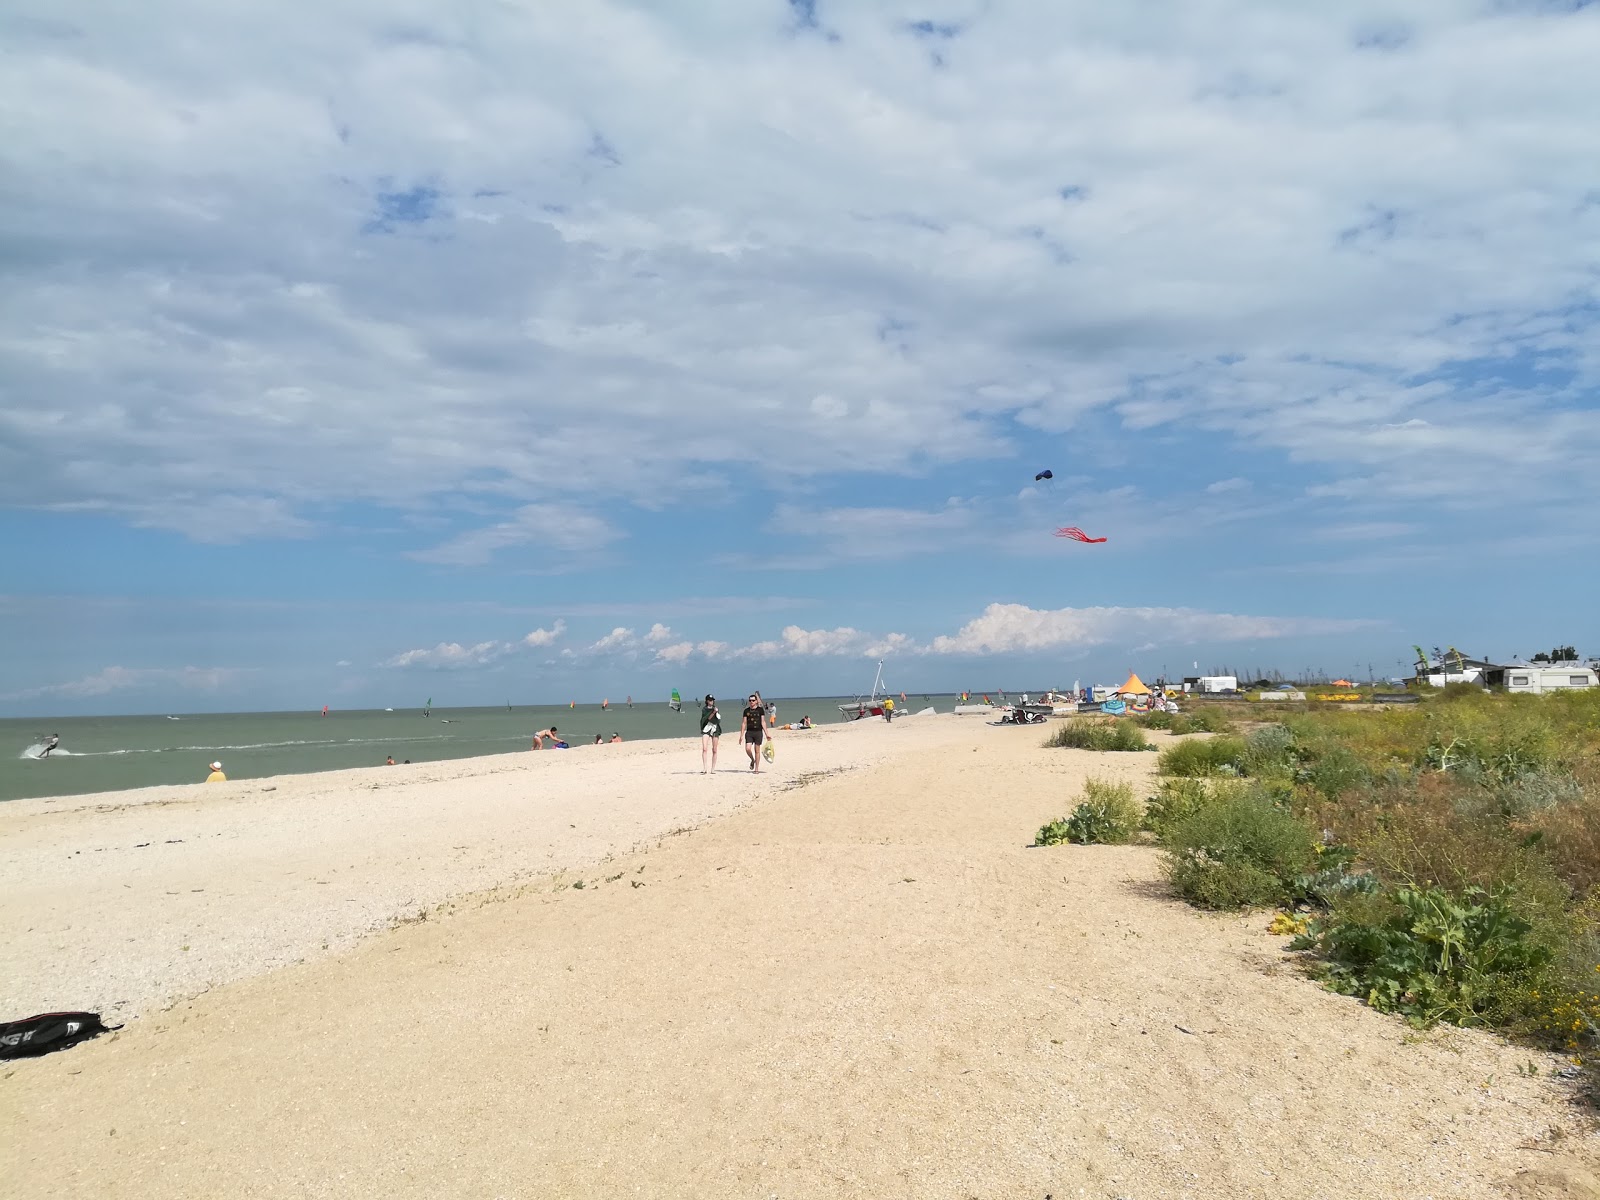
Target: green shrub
{"x":1337,"y":770}
{"x":1240,"y":851}
{"x":1268,"y":750}
{"x":1096,"y":735}
{"x":1179,"y":798}
{"x":1535,"y":792}
{"x":1107,"y":814}
{"x":1204,"y":720}
{"x":1203,"y":757}
{"x":1052,"y":833}
{"x":1430,"y":954}
{"x":1208,"y":720}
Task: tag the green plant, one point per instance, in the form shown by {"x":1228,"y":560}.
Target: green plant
{"x":1428,"y":953}
{"x":1336,"y":770}
{"x":1268,"y":750}
{"x":1107,"y":814}
{"x":1203,"y":757}
{"x":1096,"y":735}
{"x":1052,"y":833}
{"x":1180,"y":797}
{"x":1240,"y":851}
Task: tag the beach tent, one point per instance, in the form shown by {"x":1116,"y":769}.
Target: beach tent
{"x":1134,"y":687}
{"x":1342,"y":683}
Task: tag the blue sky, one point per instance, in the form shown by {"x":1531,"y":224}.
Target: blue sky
{"x":564,"y":351}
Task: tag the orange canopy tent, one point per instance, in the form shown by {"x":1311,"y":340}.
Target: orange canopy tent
{"x":1134,"y":687}
{"x":1342,"y":683}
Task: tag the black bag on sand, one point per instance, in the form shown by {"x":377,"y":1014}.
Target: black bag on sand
{"x":47,"y":1032}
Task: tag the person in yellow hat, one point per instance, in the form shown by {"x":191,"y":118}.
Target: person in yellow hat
{"x":216,"y":775}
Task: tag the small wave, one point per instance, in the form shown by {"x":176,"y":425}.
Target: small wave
{"x":37,"y":751}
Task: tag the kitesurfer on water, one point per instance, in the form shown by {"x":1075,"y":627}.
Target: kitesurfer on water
{"x":50,"y":744}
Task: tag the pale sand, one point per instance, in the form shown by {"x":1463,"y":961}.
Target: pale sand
{"x":867,"y":986}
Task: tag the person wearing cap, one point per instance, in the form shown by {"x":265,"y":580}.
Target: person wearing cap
{"x":216,"y":775}
{"x":710,"y":731}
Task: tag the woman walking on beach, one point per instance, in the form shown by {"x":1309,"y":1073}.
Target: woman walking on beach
{"x":755,"y":717}
{"x":710,"y":731}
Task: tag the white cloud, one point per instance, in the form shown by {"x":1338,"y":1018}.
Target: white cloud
{"x":553,"y":530}
{"x":462,"y":269}
{"x":451,"y":656}
{"x":544,"y":637}
{"x":1016,"y":628}
{"x":1235,"y":484}
{"x":677,"y":652}
{"x":618,"y":639}
{"x":116,"y":679}
{"x":658,"y":634}
{"x":457,"y":656}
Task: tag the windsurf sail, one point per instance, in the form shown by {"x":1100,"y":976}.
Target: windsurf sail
{"x":676,"y":703}
{"x":427,"y":709}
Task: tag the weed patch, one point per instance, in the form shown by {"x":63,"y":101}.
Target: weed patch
{"x":1107,"y":814}
{"x":1239,"y":851}
{"x":1204,"y":757}
{"x":1096,"y":735}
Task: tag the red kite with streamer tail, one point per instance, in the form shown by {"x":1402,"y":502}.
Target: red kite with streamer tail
{"x":1077,"y":535}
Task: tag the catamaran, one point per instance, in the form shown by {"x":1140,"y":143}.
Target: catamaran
{"x":872,"y":706}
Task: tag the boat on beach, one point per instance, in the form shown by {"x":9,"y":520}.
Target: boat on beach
{"x":869,"y":706}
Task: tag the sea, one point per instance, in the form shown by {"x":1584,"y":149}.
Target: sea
{"x":100,"y":754}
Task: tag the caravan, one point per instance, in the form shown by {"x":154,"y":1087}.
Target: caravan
{"x":1538,"y":678}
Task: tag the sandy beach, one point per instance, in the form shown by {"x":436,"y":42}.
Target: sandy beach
{"x":850,"y":976}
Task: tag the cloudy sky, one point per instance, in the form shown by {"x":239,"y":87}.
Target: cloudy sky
{"x":549,"y":350}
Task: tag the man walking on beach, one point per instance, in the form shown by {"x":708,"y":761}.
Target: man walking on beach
{"x":755,"y":716}
{"x":888,"y":710}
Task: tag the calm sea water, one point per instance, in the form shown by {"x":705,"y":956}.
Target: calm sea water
{"x":99,"y":754}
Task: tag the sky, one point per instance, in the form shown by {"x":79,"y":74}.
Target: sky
{"x":504,"y":350}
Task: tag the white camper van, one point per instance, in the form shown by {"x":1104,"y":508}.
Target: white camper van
{"x":1537,"y":678}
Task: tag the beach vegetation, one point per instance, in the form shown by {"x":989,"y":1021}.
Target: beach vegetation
{"x":1107,"y":814}
{"x":1098,"y":735}
{"x":1239,"y":850}
{"x":1443,"y":858}
{"x":1200,"y":720}
{"x":1180,"y":797}
{"x":1202,"y":757}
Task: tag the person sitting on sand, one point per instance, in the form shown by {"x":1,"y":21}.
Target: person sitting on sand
{"x":599,"y":739}
{"x":538,"y":738}
{"x":710,"y":731}
{"x":389,"y":761}
{"x":216,"y":775}
{"x":616,"y":737}
{"x":754,"y":719}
